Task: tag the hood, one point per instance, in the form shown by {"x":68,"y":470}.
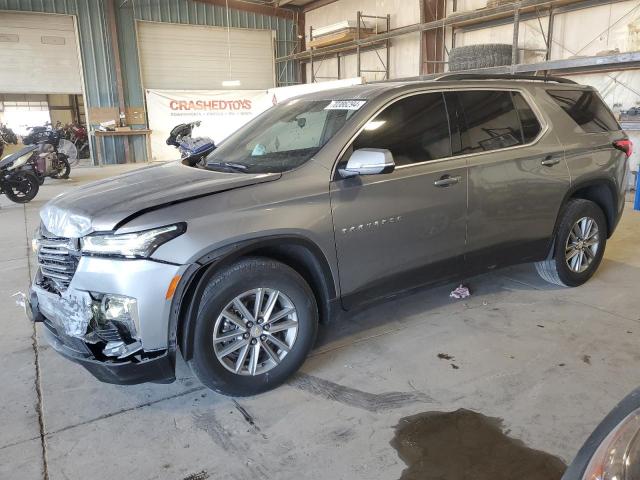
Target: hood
{"x":101,"y":206}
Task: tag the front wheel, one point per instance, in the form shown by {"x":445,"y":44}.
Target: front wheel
{"x":21,"y":187}
{"x":579,"y":245}
{"x":256,"y":324}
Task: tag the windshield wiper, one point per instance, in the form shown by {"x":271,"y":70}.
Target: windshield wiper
{"x":236,"y":167}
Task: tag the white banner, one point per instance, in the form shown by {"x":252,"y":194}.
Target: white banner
{"x":221,"y":112}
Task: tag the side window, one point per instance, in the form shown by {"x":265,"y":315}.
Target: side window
{"x":586,"y":109}
{"x":490,"y":121}
{"x":530,"y":125}
{"x":415,"y":129}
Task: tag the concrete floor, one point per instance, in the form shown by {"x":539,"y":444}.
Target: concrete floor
{"x":551,"y":362}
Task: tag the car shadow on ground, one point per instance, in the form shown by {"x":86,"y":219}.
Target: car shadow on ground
{"x":419,"y":302}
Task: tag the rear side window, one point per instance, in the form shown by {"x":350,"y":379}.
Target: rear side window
{"x":489,"y":121}
{"x":530,"y":125}
{"x":587,"y":109}
{"x":415,"y":129}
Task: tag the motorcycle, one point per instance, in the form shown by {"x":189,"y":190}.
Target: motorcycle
{"x":193,"y":150}
{"x":6,"y":137}
{"x":16,"y":181}
{"x":48,"y":161}
{"x":80,"y":138}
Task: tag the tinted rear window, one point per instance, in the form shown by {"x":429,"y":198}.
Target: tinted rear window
{"x":490,"y":121}
{"x":587,"y":109}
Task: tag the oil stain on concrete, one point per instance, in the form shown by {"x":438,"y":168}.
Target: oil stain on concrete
{"x":465,"y":445}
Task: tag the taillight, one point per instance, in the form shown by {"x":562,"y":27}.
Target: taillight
{"x":625,"y":146}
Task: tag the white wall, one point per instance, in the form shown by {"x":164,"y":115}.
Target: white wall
{"x":405,"y":50}
{"x":587,"y":32}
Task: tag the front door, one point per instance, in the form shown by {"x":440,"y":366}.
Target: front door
{"x":405,"y":228}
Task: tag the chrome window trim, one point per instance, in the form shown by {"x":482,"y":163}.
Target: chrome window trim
{"x":525,"y":94}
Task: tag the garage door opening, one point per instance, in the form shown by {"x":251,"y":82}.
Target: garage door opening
{"x":44,"y":87}
{"x":19,"y":113}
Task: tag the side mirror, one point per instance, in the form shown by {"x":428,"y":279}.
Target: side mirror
{"x":368,"y":161}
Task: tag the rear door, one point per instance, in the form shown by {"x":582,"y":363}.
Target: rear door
{"x":404,"y":228}
{"x":517,"y":176}
{"x":587,"y":130}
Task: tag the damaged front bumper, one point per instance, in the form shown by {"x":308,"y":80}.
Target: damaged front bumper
{"x":114,"y":352}
{"x":160,"y":369}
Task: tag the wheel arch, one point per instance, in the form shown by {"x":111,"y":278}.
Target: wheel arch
{"x":601,"y":191}
{"x":299,"y":253}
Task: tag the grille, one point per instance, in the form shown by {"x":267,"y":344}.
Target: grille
{"x":58,"y":260}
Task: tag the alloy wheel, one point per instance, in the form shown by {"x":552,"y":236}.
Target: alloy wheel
{"x":255,"y":331}
{"x":582,"y":244}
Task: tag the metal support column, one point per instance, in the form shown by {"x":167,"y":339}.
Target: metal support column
{"x":113,"y":33}
{"x":358,"y":69}
{"x":313,"y":74}
{"x":516,"y":34}
{"x":388,"y":44}
{"x":550,"y":34}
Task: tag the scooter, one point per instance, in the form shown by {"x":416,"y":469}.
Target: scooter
{"x":16,"y":181}
{"x":193,"y":150}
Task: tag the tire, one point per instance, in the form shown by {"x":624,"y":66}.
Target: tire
{"x":557,"y":269}
{"x":226,"y":286}
{"x":64,"y":171}
{"x":487,"y":55}
{"x":26,"y":187}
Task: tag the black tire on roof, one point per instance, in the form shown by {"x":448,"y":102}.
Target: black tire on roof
{"x":479,"y":56}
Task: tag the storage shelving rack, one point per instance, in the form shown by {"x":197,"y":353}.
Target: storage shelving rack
{"x":515,"y":13}
{"x":340,"y":49}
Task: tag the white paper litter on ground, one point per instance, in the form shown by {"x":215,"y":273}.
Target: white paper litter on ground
{"x":461,"y":292}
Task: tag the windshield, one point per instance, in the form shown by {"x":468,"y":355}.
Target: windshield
{"x":284,"y":137}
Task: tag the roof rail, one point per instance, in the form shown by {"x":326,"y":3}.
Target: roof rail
{"x":502,"y":76}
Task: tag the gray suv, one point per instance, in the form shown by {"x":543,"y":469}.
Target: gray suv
{"x":324,"y":203}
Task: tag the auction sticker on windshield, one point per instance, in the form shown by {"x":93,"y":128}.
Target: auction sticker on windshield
{"x":345,"y":105}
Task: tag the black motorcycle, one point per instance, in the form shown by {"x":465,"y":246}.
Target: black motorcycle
{"x":47,"y":161}
{"x":17,"y":182}
{"x":6,"y":137}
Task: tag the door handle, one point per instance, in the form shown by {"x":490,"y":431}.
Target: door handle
{"x":446,"y":181}
{"x":550,"y":161}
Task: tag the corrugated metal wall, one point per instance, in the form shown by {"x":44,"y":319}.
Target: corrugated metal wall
{"x":97,"y":56}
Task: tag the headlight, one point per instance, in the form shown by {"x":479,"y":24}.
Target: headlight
{"x":122,"y":310}
{"x":131,"y":245}
{"x":618,"y":456}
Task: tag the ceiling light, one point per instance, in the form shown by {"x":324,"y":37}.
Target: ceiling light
{"x":231,"y":83}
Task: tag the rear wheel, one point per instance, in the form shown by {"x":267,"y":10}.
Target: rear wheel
{"x":64,"y":169}
{"x":22,"y":187}
{"x":256,"y":324}
{"x":579,"y":245}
